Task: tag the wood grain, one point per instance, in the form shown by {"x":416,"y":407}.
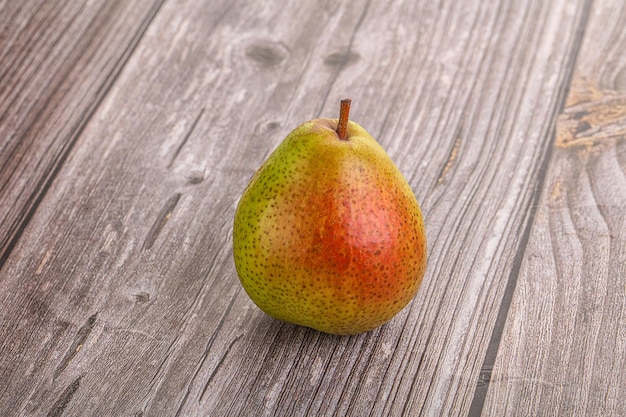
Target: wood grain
{"x":57,"y":61}
{"x":119,"y":295}
{"x":563,"y":349}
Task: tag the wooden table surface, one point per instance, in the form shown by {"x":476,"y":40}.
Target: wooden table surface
{"x":128,"y":130}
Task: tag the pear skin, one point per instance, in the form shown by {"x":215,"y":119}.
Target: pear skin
{"x":328,"y":234}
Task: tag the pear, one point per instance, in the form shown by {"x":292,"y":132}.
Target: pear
{"x":328,"y":234}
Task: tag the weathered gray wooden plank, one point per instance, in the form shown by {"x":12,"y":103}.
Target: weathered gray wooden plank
{"x":121,"y":297}
{"x":57,"y":60}
{"x":563,"y":349}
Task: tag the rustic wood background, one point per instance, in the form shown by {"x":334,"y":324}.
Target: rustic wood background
{"x":128,"y":131}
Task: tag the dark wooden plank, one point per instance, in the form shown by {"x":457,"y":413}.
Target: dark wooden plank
{"x":121,"y":297}
{"x":57,"y":61}
{"x":564,"y":344}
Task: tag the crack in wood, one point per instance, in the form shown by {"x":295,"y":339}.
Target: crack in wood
{"x":77,"y":344}
{"x":482,"y":383}
{"x":168,"y":353}
{"x":185,"y":139}
{"x":217,"y":367}
{"x":452,"y":156}
{"x":207,"y":349}
{"x":160,"y":221}
{"x":59,"y":406}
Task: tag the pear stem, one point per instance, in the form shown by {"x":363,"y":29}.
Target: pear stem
{"x":342,"y":124}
